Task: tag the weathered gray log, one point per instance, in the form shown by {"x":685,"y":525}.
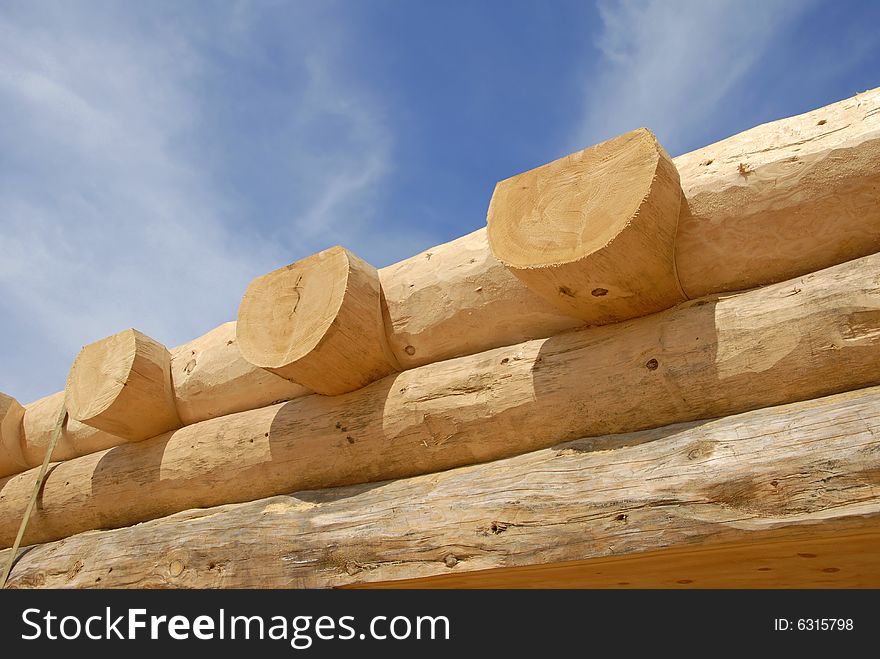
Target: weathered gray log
{"x":779,"y":471}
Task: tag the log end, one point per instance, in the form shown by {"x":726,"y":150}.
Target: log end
{"x":122,"y":385}
{"x":318,"y":322}
{"x":594,"y":232}
{"x":11,"y":458}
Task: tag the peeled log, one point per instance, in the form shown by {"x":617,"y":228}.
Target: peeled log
{"x":738,"y":229}
{"x":122,"y":385}
{"x":11,"y":459}
{"x":594,"y":232}
{"x":38,"y":424}
{"x":457,"y":299}
{"x":211,"y":378}
{"x":692,"y":489}
{"x":788,"y":197}
{"x":318,"y":322}
{"x":712,"y":357}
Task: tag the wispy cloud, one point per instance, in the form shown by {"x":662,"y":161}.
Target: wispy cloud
{"x":111,"y":210}
{"x":669,"y":65}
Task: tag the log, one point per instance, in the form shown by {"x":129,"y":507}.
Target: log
{"x":211,"y":378}
{"x":790,"y":472}
{"x":122,"y":385}
{"x":76,"y":438}
{"x":782,"y":199}
{"x":712,"y":357}
{"x":11,"y":458}
{"x":594,"y":232}
{"x":457,"y":299}
{"x":772,"y":203}
{"x":318,"y":322}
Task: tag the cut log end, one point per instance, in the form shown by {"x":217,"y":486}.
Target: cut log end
{"x":318,"y":322}
{"x":11,"y":459}
{"x":122,"y":385}
{"x":594,"y":232}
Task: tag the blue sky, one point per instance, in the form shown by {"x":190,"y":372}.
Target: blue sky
{"x":155,"y":157}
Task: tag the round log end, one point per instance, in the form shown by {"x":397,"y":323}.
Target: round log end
{"x":594,"y":232}
{"x":11,"y":458}
{"x":122,"y":385}
{"x":318,"y":322}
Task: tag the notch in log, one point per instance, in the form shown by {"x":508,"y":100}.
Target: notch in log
{"x":594,"y":232}
{"x":318,"y":322}
{"x":122,"y":385}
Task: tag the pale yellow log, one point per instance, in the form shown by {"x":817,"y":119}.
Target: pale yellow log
{"x":38,"y":424}
{"x":318,"y":322}
{"x":594,"y":232}
{"x":716,"y":356}
{"x":774,"y":480}
{"x":122,"y":385}
{"x":11,"y":458}
{"x":782,"y":199}
{"x":457,"y":299}
{"x":211,"y":378}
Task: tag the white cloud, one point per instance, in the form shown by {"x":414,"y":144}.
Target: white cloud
{"x":109,"y":215}
{"x":668,"y":64}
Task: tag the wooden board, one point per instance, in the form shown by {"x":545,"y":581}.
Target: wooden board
{"x":829,"y":554}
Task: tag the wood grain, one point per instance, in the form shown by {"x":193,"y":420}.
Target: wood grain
{"x":594,"y":232}
{"x":784,"y":198}
{"x":122,"y":385}
{"x":832,"y":553}
{"x":318,"y":322}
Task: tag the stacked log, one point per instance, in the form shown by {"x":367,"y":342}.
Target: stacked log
{"x":797,"y":340}
{"x":599,"y":302}
{"x":689,"y":487}
{"x":741,"y":224}
{"x":567,"y":244}
{"x":212,"y":379}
